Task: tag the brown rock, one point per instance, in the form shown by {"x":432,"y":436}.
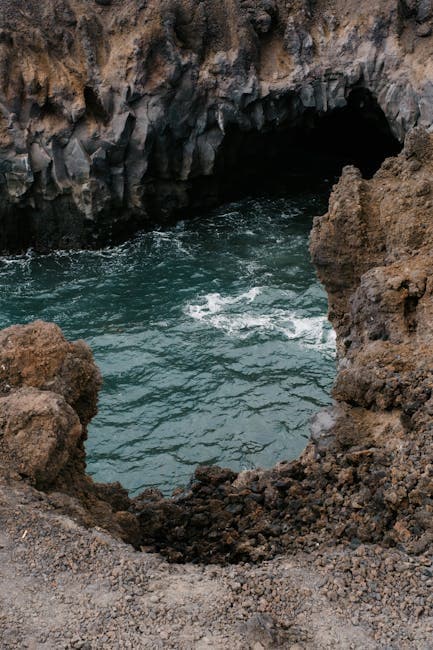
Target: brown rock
{"x":48,"y":394}
{"x":39,"y":432}
{"x":38,"y":355}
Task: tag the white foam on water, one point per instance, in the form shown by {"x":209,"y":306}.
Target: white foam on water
{"x":218,"y":311}
{"x":214,"y":303}
{"x":173,"y":238}
{"x":314,"y":331}
{"x":22,"y":260}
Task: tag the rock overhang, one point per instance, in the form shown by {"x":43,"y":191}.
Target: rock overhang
{"x":115,"y":117}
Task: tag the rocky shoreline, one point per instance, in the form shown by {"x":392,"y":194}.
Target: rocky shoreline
{"x":117,"y":115}
{"x":365,"y":476}
{"x":90,"y":151}
{"x":362,"y":488}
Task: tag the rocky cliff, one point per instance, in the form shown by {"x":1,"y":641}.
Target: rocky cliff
{"x":367,"y":472}
{"x":48,"y":395}
{"x":116,"y":114}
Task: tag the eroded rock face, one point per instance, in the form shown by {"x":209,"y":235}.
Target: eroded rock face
{"x":48,"y":394}
{"x":116,"y":114}
{"x":39,"y":433}
{"x":367,"y":472}
{"x":38,"y":355}
{"x":381,"y":304}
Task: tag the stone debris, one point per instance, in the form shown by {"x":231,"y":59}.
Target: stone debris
{"x":63,"y":586}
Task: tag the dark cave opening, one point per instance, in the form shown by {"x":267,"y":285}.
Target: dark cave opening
{"x":285,"y":157}
{"x":295,"y":149}
{"x":282,"y":159}
{"x":357,"y":134}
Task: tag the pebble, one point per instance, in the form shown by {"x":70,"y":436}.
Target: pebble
{"x":118,"y":598}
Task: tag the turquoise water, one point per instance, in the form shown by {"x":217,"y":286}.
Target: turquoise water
{"x":211,"y":336}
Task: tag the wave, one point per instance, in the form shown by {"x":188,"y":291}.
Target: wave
{"x":217,"y":311}
{"x":19,"y":259}
{"x":214,"y":303}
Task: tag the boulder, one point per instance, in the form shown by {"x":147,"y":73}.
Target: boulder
{"x":39,"y":432}
{"x":38,"y":355}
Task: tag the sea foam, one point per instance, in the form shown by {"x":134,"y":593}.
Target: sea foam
{"x":232,"y":315}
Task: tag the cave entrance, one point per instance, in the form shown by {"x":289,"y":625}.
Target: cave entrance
{"x":209,"y":521}
{"x":314,"y":145}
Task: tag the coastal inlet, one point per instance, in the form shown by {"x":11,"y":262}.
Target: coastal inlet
{"x":211,"y":336}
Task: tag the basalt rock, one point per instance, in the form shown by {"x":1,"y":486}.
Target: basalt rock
{"x":116,"y":115}
{"x":366,"y":474}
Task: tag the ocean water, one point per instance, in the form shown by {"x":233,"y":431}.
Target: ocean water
{"x":211,"y":336}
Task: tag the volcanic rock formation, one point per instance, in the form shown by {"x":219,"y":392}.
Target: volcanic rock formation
{"x":367,"y":472}
{"x":48,"y":395}
{"x":115,"y":114}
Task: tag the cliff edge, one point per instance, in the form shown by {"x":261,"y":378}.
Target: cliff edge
{"x":366,"y":474}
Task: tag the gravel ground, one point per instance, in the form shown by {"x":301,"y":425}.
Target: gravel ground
{"x":63,"y":586}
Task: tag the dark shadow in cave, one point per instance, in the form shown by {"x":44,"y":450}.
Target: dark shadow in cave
{"x":358,"y":134}
{"x":284,"y":158}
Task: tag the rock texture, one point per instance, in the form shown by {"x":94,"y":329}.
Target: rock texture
{"x":48,"y":394}
{"x":114,"y":114}
{"x":373,"y":254}
{"x":40,"y":432}
{"x":366,"y":475}
{"x":65,"y":587}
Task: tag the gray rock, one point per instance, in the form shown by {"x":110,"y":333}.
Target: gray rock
{"x":77,"y":162}
{"x":424,"y":30}
{"x":124,"y":114}
{"x":425,"y":10}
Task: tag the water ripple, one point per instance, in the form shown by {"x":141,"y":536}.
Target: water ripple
{"x":211,"y":336}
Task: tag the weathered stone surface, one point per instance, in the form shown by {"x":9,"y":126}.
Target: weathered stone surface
{"x":39,"y":432}
{"x":115,"y":116}
{"x":38,"y":355}
{"x":373,"y":254}
{"x":48,"y":394}
{"x":425,"y":10}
